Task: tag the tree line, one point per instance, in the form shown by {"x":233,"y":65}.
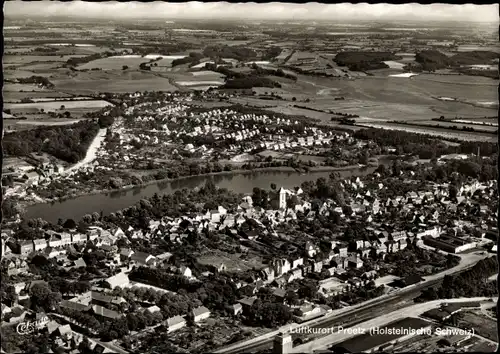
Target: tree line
{"x":471,"y":283}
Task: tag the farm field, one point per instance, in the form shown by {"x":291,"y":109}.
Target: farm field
{"x":116,"y":85}
{"x":200,"y":83}
{"x":16,"y":97}
{"x":458,"y":125}
{"x":27,"y":59}
{"x":478,"y":121}
{"x":41,"y":67}
{"x":465,"y":136}
{"x":324,"y":117}
{"x":409,"y":99}
{"x":47,"y":122}
{"x":19,"y":73}
{"x":55,"y":105}
{"x":8,"y":87}
{"x":113,"y":63}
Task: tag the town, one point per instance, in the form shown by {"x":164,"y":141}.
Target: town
{"x":249,"y":186}
{"x":126,"y":276}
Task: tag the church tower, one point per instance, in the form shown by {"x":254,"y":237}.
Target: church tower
{"x":282,"y":198}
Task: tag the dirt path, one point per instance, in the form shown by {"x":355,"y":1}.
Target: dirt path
{"x":91,"y":152}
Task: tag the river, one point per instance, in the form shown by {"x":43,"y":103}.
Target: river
{"x":113,"y":201}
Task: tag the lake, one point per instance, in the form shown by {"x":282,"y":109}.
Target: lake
{"x":110,"y":202}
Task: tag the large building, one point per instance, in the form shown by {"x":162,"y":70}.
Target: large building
{"x":450,"y":244}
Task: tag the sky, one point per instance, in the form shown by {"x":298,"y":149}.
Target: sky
{"x":252,"y":11}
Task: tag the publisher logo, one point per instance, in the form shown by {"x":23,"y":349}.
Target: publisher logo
{"x":29,"y":327}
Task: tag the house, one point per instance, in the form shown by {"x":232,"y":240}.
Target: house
{"x":126,"y":254}
{"x":120,"y":279}
{"x":175,"y":323}
{"x":153,"y":309}
{"x":247,"y":302}
{"x":279,"y":294}
{"x":185,"y":271}
{"x":218,"y":266}
{"x":144,"y":259}
{"x":65,"y":332}
{"x":65,"y":239}
{"x":5,"y":309}
{"x":25,"y":247}
{"x":78,"y":238}
{"x":200,"y":313}
{"x":235,"y":309}
{"x":355,"y":262}
{"x":75,"y":306}
{"x":281,"y":266}
{"x":79,"y":263}
{"x":39,"y":244}
{"x":104,"y":312}
{"x":307,"y":312}
{"x":267,"y":274}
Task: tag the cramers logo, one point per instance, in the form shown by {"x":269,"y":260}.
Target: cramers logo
{"x":29,"y":327}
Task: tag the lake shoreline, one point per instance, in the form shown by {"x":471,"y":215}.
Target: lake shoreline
{"x":26,"y":204}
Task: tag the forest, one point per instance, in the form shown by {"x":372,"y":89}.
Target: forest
{"x":67,"y":143}
{"x":361,"y":61}
{"x":424,"y":146}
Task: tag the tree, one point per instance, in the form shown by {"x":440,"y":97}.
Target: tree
{"x":69,"y":224}
{"x":294,"y":99}
{"x":292,"y":298}
{"x":67,"y":114}
{"x":124,"y":67}
{"x":62,"y":108}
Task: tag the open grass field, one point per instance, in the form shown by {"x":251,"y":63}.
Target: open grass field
{"x":233,"y":262}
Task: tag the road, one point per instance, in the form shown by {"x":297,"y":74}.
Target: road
{"x":91,"y":152}
{"x":410,"y":311}
{"x":111,"y":346}
{"x":357,"y":313}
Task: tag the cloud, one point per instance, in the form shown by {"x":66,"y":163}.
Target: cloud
{"x":253,"y":11}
